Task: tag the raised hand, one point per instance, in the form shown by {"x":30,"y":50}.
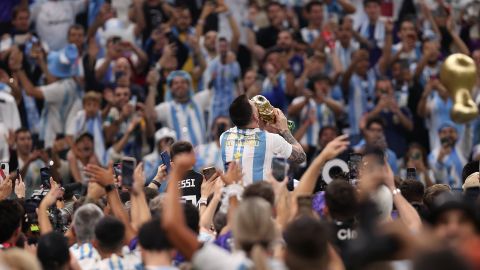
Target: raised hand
{"x":234,"y":174}
{"x":52,"y":196}
{"x":138,"y":179}
{"x":5,"y":188}
{"x":103,"y":177}
{"x":19,"y":187}
{"x":335,"y":147}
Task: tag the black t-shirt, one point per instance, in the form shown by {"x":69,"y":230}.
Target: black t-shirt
{"x":190,"y":186}
{"x":342,"y":233}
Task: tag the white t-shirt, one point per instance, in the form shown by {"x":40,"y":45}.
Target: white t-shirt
{"x":254,"y":149}
{"x":188,"y":120}
{"x":60,"y":97}
{"x":53,"y":18}
{"x":9,"y":114}
{"x":128,"y":261}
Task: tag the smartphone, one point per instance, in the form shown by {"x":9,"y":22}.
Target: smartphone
{"x":166,"y":160}
{"x":209,"y":172}
{"x":40,"y":145}
{"x":4,"y":169}
{"x":411,"y":174}
{"x":117,"y":169}
{"x":353,"y":165}
{"x":128,"y":166}
{"x":279,"y":168}
{"x":133,"y":101}
{"x":45,"y":177}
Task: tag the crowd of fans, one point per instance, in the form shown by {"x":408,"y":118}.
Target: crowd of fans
{"x":87,"y":84}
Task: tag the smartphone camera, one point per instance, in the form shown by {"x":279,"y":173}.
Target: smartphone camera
{"x":411,"y":174}
{"x":353,"y":165}
{"x":45,"y":177}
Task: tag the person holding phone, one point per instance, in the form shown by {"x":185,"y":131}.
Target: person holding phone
{"x":256,"y":147}
{"x":208,"y":154}
{"x":447,"y":160}
{"x":28,"y":160}
{"x":164,"y":138}
{"x":416,"y":157}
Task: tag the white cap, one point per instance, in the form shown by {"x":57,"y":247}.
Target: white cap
{"x":165,"y":133}
{"x":471,"y":181}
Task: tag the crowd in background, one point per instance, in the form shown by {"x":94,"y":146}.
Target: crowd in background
{"x":86,"y":83}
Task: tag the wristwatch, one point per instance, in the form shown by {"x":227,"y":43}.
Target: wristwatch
{"x":109,"y":187}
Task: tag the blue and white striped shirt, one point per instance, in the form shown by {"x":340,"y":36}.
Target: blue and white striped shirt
{"x":360,"y":99}
{"x":254,"y":149}
{"x":86,"y":255}
{"x":188,"y":120}
{"x":208,"y":155}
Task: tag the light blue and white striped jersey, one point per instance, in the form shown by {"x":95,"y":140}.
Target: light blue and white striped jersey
{"x":439,"y":113}
{"x":361,"y":95}
{"x":411,"y":57}
{"x":345,"y":54}
{"x":60,"y":97}
{"x":254,"y":149}
{"x":324,"y":117}
{"x":86,"y":255}
{"x":208,"y":155}
{"x":129,"y":261}
{"x":188,"y":120}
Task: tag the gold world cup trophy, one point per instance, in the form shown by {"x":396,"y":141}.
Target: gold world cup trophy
{"x":267,"y":111}
{"x":458,"y":74}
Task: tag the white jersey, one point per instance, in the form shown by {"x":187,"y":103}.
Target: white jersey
{"x":61,"y":98}
{"x":188,"y":120}
{"x":254,"y":149}
{"x":86,"y":255}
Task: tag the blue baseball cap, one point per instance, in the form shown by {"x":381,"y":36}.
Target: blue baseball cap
{"x":62,"y":64}
{"x":447,"y":124}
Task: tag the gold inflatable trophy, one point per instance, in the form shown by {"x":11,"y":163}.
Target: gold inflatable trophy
{"x":266,"y":111}
{"x":458,"y":75}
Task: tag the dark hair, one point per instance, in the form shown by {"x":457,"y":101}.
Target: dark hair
{"x":311,"y":4}
{"x":378,"y":152}
{"x":318,"y":77}
{"x":52,"y":251}
{"x":85,"y":135}
{"x":110,"y":233}
{"x":11,"y":214}
{"x":152,"y":237}
{"x":365,"y":2}
{"x":273,"y":3}
{"x":192,"y":217}
{"x":325,"y":128}
{"x":180,"y":147}
{"x":432,"y":192}
{"x":260,"y":190}
{"x":76,"y":27}
{"x":471,"y":167}
{"x":306,"y":240}
{"x":412,"y":190}
{"x":22,"y":130}
{"x":19,"y":8}
{"x":341,"y":200}
{"x":241,"y":111}
{"x":375,"y":120}
{"x":150,"y":193}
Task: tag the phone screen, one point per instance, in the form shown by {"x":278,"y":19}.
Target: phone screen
{"x":128,"y":165}
{"x":4,"y":169}
{"x":166,"y":160}
{"x":117,"y":169}
{"x":279,"y":168}
{"x":208,"y":172}
{"x":45,"y":177}
{"x":353,"y":164}
{"x":411,"y":174}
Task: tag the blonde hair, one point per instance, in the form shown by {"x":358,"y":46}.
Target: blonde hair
{"x":254,"y":229}
{"x":19,"y":259}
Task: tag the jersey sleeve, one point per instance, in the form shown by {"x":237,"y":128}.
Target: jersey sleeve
{"x":203,"y":99}
{"x":54,"y":92}
{"x":161,"y":112}
{"x":280,"y":146}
